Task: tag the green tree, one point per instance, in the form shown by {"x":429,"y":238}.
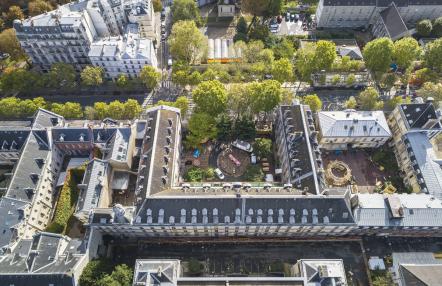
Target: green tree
{"x":121,"y":276}
{"x":122,"y":81}
{"x":437,"y":27}
{"x":262,"y":147}
{"x":210,"y":97}
{"x":261,"y":7}
{"x":116,"y":109}
{"x":101,"y":110}
{"x":19,"y":80}
{"x":369,"y":99}
{"x":240,"y":100}
{"x":244,"y":129}
{"x":351,"y":103}
{"x":9,"y":44}
{"x":424,"y":28}
{"x":282,"y":70}
{"x":266,"y":57}
{"x":187,"y":43}
{"x":325,"y":55}
{"x":157,"y":5}
{"x":37,"y":7}
{"x":430,"y":89}
{"x":378,"y":54}
{"x":284,"y":49}
{"x":186,"y":10}
{"x":194,"y":174}
{"x":433,"y":55}
{"x":62,"y":75}
{"x":406,"y":50}
{"x":92,"y":76}
{"x":351,"y":79}
{"x":393,"y":102}
{"x":14,"y":12}
{"x":388,"y":80}
{"x":150,"y":76}
{"x":313,"y":101}
{"x":266,"y":95}
{"x":69,"y":110}
{"x":254,"y":173}
{"x":241,"y":30}
{"x":259,"y":32}
{"x":252,"y":51}
{"x":202,"y":127}
{"x":423,"y":75}
{"x":94,"y":271}
{"x":305,"y":61}
{"x":194,"y":266}
{"x":131,"y":109}
{"x":181,"y":102}
{"x":224,"y":126}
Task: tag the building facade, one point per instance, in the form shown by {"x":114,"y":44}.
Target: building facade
{"x":99,"y":32}
{"x":342,"y":130}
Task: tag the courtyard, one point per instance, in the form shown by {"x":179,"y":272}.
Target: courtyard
{"x":365,"y":174}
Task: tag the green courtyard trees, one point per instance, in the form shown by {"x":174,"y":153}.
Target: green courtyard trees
{"x":186,"y":10}
{"x":433,"y":55}
{"x":378,"y":54}
{"x":187,"y":43}
{"x":282,"y":70}
{"x":150,"y":76}
{"x":406,"y":50}
{"x":202,"y":127}
{"x":92,"y":76}
{"x":369,"y":99}
{"x":313,"y":101}
{"x":210,"y":97}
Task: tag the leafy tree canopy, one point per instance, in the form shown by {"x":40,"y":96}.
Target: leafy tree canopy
{"x":187,"y":43}
{"x":378,"y":54}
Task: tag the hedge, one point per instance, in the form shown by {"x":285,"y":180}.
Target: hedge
{"x":67,"y":200}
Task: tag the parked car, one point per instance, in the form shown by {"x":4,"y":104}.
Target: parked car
{"x":163,"y":15}
{"x":287,"y":17}
{"x":234,"y":160}
{"x":243,"y":145}
{"x":296,"y":17}
{"x":292,"y":17}
{"x":219,"y":174}
{"x":253,"y":158}
{"x":169,"y":62}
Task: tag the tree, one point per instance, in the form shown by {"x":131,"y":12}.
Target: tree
{"x":181,"y":102}
{"x":266,"y":95}
{"x":261,"y":7}
{"x":393,"y":102}
{"x":194,"y":266}
{"x":424,"y":28}
{"x":186,"y":10}
{"x":150,"y":76}
{"x":62,"y":75}
{"x":305,"y":61}
{"x":262,"y":147}
{"x":430,"y":89}
{"x":116,"y":110}
{"x":351,"y":79}
{"x":254,"y":173}
{"x":94,"y":271}
{"x":253,"y":49}
{"x":388,"y":80}
{"x":406,"y":50}
{"x":69,"y":110}
{"x":378,"y":54}
{"x":187,"y":43}
{"x":313,"y":101}
{"x":369,"y":99}
{"x":19,"y":80}
{"x":325,"y":55}
{"x":202,"y":127}
{"x":210,"y":97}
{"x":131,"y":109}
{"x":423,"y":75}
{"x":351,"y":103}
{"x":37,"y":7}
{"x":194,"y":174}
{"x":240,"y":100}
{"x":14,"y":12}
{"x":157,"y":5}
{"x":9,"y":44}
{"x":282,"y":70}
{"x":92,"y":76}
{"x":266,"y":57}
{"x":101,"y":110}
{"x":241,"y":30}
{"x":433,"y":55}
{"x":284,"y":49}
{"x":224,"y":126}
{"x":244,"y":129}
{"x":259,"y":32}
{"x":121,"y":276}
{"x":122,"y":81}
{"x":437,"y":27}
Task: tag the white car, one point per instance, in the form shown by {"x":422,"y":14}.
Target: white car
{"x":169,"y":62}
{"x":243,"y":145}
{"x":253,"y":158}
{"x":219,"y":174}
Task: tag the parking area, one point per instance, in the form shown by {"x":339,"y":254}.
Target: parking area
{"x":292,"y":27}
{"x":249,"y":258}
{"x":364,"y":172}
{"x":334,"y":100}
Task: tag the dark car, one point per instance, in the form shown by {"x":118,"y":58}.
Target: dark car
{"x":292,"y":17}
{"x":163,"y":15}
{"x":287,"y":17}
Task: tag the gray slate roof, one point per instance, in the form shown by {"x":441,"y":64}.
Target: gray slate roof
{"x":11,"y":214}
{"x":394,"y":24}
{"x":416,"y":115}
{"x":92,"y":180}
{"x":337,"y":210}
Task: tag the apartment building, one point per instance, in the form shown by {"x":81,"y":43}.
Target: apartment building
{"x":297,"y":148}
{"x":123,"y":55}
{"x":388,"y":17}
{"x":413,"y":126}
{"x":342,"y":130}
{"x":99,"y":32}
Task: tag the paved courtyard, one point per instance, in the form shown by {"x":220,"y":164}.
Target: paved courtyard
{"x":364,"y":172}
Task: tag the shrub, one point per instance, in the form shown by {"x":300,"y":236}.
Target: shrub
{"x":262,"y":147}
{"x":67,"y":200}
{"x":194,"y":174}
{"x":253,"y":174}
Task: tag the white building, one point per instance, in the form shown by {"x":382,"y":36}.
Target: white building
{"x":124,"y":30}
{"x":363,"y":14}
{"x":123,"y":55}
{"x":226,"y":8}
{"x":340,"y":130}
